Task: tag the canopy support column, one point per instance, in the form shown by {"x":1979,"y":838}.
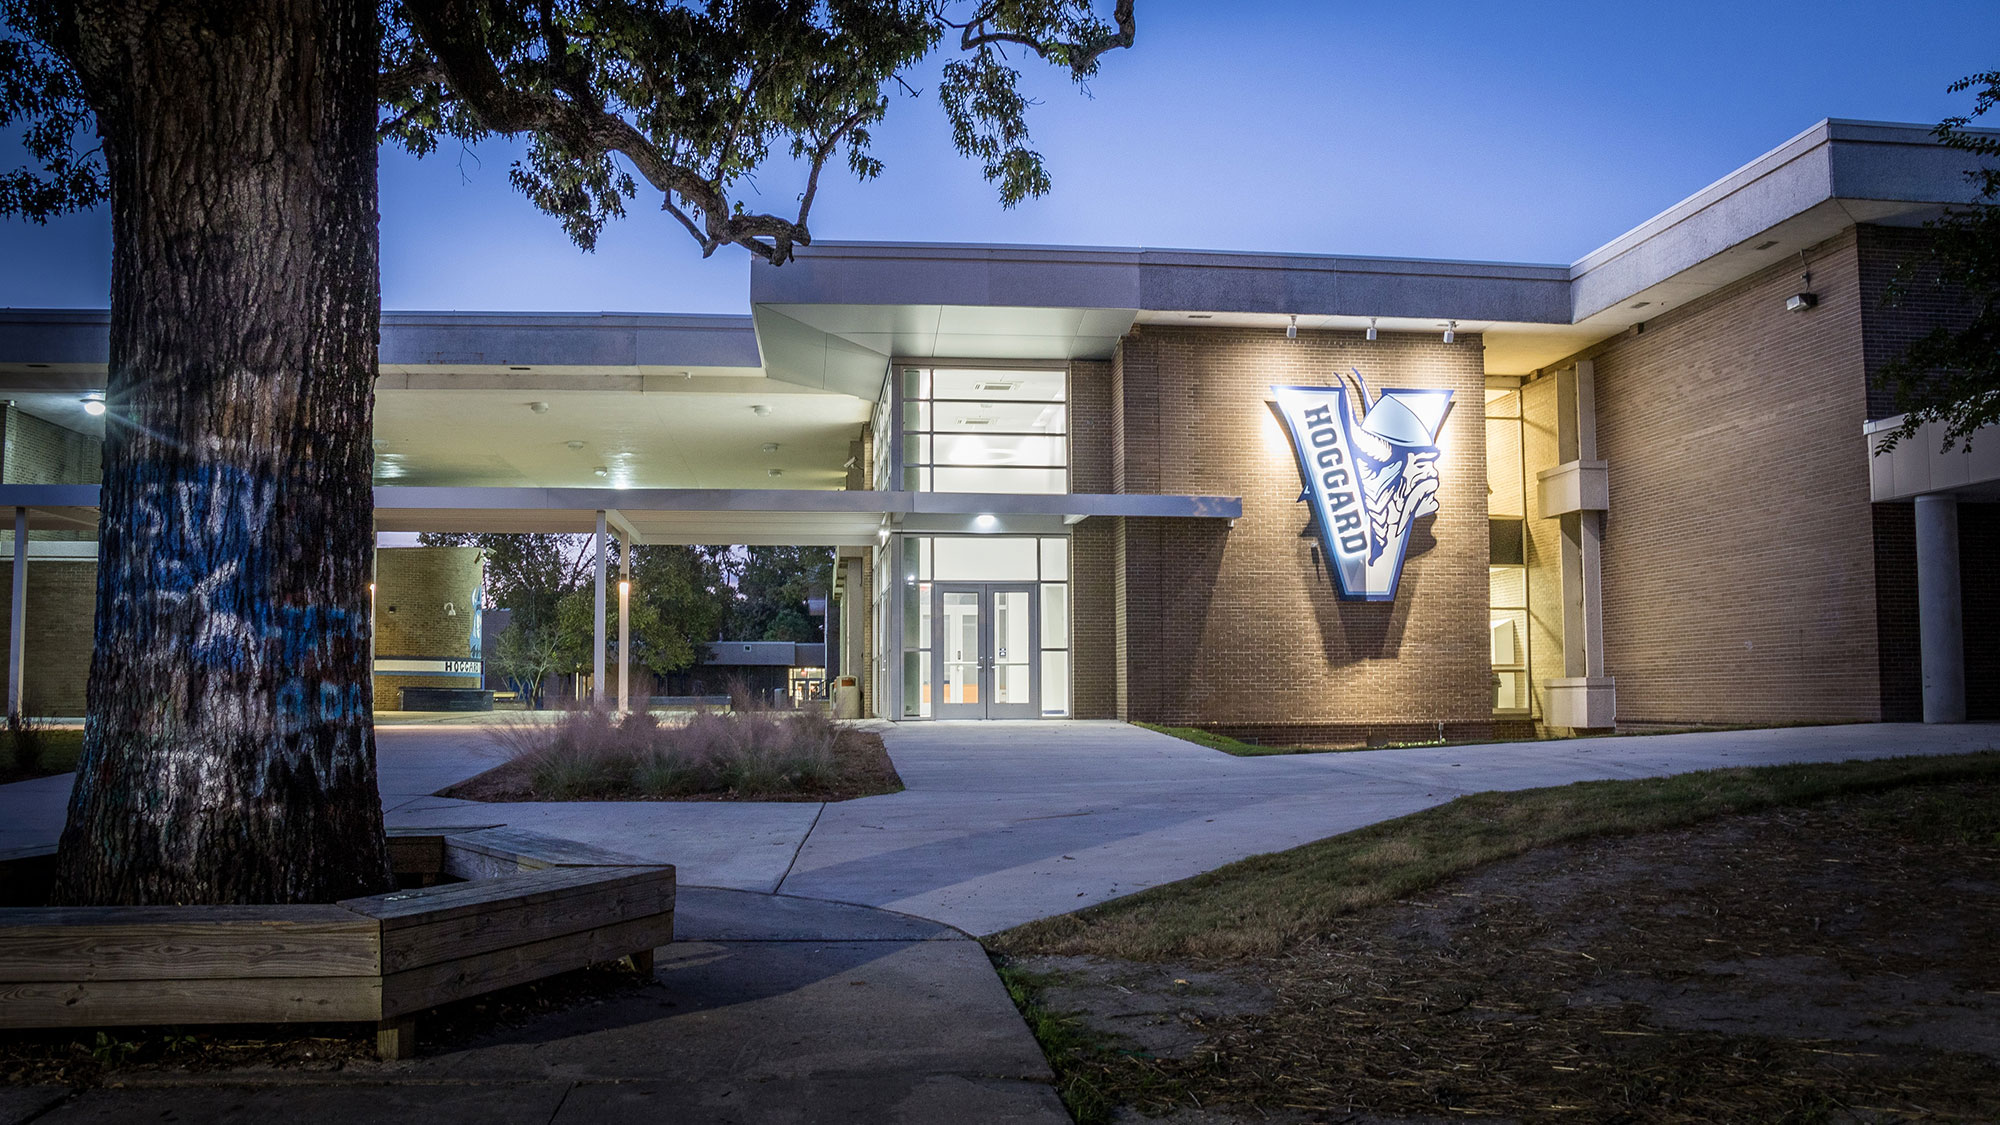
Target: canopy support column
{"x":597,"y":638}
{"x":17,"y":632}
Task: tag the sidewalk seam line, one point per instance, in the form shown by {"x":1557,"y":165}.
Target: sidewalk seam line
{"x":779,"y":886}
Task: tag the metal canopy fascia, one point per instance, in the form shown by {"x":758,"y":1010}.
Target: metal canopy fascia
{"x":877,"y":295}
{"x":757,"y":517}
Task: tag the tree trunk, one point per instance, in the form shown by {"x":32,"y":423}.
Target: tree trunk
{"x":230,"y":753}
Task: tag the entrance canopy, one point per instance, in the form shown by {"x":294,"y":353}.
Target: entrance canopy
{"x":753,"y":517}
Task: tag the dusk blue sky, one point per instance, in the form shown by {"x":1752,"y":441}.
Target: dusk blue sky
{"x":1512,"y":132}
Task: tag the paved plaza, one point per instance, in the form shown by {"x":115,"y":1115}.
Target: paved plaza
{"x":824,"y":968}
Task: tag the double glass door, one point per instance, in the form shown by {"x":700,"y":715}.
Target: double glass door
{"x":983,"y":645}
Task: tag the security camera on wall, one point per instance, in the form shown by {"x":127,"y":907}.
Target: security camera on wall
{"x":1800,"y":302}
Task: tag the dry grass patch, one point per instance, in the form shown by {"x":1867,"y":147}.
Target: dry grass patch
{"x":1261,"y":905}
{"x":762,"y":755}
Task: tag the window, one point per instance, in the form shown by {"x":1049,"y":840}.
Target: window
{"x":984,"y":430}
{"x":1507,"y":570}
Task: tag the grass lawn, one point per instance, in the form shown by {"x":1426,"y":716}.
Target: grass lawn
{"x":1786,"y":943}
{"x":59,"y":750}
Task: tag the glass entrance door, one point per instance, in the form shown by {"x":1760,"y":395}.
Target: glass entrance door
{"x":985,"y":637}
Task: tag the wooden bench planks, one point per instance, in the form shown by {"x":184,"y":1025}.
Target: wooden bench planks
{"x":554,"y":906}
{"x":472,"y":918}
{"x":103,"y":943}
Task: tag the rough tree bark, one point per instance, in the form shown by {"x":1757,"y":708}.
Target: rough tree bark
{"x":230,"y":753}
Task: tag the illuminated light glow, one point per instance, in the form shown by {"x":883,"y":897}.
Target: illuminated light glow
{"x":624,"y":587}
{"x":94,"y":405}
{"x":986,"y":521}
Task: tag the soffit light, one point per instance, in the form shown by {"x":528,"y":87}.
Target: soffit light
{"x":986,"y":521}
{"x":760,"y":410}
{"x":539,"y":407}
{"x":93,"y":404}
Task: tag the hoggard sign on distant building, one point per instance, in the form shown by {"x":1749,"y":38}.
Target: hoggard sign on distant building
{"x":1368,"y":479}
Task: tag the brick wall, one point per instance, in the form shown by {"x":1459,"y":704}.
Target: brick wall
{"x":62,"y":600}
{"x":1739,"y":554}
{"x":412,"y":587}
{"x":1891,"y":324}
{"x":1242,"y":629}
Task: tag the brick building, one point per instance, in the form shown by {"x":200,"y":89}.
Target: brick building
{"x":1299,"y":498}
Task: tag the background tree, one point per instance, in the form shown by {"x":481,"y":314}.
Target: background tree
{"x":773,"y":587}
{"x":229,"y":753}
{"x":1952,"y":373}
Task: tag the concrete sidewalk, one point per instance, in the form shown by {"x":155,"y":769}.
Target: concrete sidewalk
{"x":821,"y":972}
{"x":773,"y":1010}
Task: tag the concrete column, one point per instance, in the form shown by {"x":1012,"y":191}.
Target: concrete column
{"x":1939,"y":619}
{"x":624,"y":624}
{"x":17,"y":636}
{"x":597,"y":633}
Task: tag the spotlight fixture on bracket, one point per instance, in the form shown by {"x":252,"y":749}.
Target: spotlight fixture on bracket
{"x":1451,"y":332}
{"x":1292,"y":329}
{"x":1371,"y":329}
{"x":1805,"y":298}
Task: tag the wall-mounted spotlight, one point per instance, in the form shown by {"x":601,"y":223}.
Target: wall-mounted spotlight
{"x":1292,"y":329}
{"x":1805,"y":298}
{"x":93,"y":404}
{"x":1451,"y":332}
{"x":1371,"y":329}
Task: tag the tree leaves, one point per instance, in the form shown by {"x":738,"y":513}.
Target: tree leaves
{"x":691,"y":97}
{"x":1951,"y":374}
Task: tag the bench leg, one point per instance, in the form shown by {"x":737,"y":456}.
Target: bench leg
{"x":396,"y":1039}
{"x":641,"y":962}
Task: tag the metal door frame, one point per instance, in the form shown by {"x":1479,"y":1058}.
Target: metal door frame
{"x":988,"y":650}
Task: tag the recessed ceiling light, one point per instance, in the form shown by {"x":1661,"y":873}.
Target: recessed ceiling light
{"x":1201,"y":316}
{"x":1765,"y":245}
{"x":520,"y":369}
{"x":601,"y":471}
{"x":574,"y":444}
{"x":760,"y":410}
{"x":770,"y":447}
{"x":1641,"y":304}
{"x":775,"y":472}
{"x":539,"y":407}
{"x":986,"y":521}
{"x":93,"y":405}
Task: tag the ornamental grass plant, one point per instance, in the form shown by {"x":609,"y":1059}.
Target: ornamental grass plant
{"x":594,"y":754}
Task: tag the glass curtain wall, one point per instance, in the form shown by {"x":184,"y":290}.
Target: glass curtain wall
{"x":983,"y":430}
{"x":967,"y":428}
{"x":1507,"y":573}
{"x":931,"y":560}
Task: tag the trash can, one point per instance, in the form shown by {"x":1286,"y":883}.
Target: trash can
{"x":847,"y":698}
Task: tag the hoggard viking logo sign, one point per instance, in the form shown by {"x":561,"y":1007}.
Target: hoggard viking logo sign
{"x":1368,"y":479}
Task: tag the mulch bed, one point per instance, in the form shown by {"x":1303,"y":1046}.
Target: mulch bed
{"x":1832,"y":963}
{"x":863,"y":770}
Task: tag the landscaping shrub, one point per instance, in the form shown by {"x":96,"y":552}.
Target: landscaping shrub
{"x":592,"y":753}
{"x":26,"y":734}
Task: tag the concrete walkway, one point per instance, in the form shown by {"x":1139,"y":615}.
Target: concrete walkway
{"x":1003,"y":823}
{"x":823,"y":970}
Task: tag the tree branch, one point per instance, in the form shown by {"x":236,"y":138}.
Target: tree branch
{"x":1081,"y":58}
{"x":451,"y":31}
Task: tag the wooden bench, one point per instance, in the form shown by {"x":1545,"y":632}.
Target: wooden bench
{"x":535,"y":906}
